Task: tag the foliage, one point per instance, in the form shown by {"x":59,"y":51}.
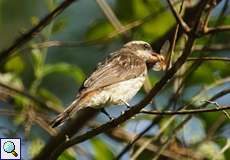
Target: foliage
{"x":30,"y":101}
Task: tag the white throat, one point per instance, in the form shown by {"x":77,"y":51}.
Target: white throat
{"x":144,"y":54}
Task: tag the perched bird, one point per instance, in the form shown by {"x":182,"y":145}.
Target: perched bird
{"x":116,"y":80}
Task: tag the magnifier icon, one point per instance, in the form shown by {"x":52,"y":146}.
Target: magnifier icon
{"x":9,"y":147}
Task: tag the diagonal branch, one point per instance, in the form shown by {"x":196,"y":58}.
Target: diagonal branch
{"x":171,"y":137}
{"x":121,"y":135}
{"x":227,"y":59}
{"x":133,"y":111}
{"x":31,"y":97}
{"x":217,"y":29}
{"x":179,"y":18}
{"x":34,"y":31}
{"x":110,"y":15}
{"x":194,"y":111}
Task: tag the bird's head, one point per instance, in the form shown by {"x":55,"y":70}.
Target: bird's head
{"x":144,"y":50}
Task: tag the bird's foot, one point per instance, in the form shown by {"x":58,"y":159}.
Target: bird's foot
{"x":128,"y":106}
{"x":107,"y":114}
{"x":67,"y":138}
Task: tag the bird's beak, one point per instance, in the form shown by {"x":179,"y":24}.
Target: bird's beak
{"x":158,"y":61}
{"x":163,"y":66}
{"x":154,"y":57}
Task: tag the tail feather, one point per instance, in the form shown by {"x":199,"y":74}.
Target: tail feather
{"x":65,"y":115}
{"x":59,"y":119}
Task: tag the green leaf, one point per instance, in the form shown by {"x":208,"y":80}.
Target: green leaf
{"x":202,"y":75}
{"x":65,"y":68}
{"x":99,"y":30}
{"x":67,"y":155}
{"x":19,"y":118}
{"x":34,"y":20}
{"x":210,"y":150}
{"x":145,"y":7}
{"x":136,"y":9}
{"x":102,"y":150}
{"x":59,"y":25}
{"x":35,"y":146}
{"x":156,"y":27}
{"x":12,"y":80}
{"x":15,"y":64}
{"x":48,"y":96}
{"x":38,"y":59}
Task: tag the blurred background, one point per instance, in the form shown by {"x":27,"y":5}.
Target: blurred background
{"x":53,"y":65}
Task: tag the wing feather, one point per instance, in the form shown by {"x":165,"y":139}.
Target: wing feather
{"x":121,"y":66}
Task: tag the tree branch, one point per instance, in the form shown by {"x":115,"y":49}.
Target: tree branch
{"x":128,"y":114}
{"x":179,"y":19}
{"x":29,"y":96}
{"x":209,"y":59}
{"x":121,"y":135}
{"x":217,"y":30}
{"x":211,"y":48}
{"x":34,"y":31}
{"x":194,"y":111}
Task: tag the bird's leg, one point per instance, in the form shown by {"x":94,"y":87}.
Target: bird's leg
{"x":126,"y":103}
{"x":67,"y":137}
{"x":106,"y":113}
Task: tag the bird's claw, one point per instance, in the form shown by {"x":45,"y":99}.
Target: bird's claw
{"x":107,"y":114}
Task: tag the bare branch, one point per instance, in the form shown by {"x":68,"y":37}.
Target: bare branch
{"x":217,"y":30}
{"x":171,"y":137}
{"x":170,"y":54}
{"x":218,"y":107}
{"x":194,"y":111}
{"x":27,"y":95}
{"x":178,"y":18}
{"x":210,"y":59}
{"x":212,"y":48}
{"x":127,"y":147}
{"x":121,"y":135}
{"x":134,"y":110}
{"x":153,"y":138}
{"x":34,"y":31}
{"x":7,"y":112}
{"x":110,"y":15}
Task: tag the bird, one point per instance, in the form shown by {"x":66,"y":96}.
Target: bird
{"x":116,"y":80}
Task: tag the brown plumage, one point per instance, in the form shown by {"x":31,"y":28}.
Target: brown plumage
{"x":116,"y":80}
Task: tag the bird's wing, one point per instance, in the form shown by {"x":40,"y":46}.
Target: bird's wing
{"x":119,"y":67}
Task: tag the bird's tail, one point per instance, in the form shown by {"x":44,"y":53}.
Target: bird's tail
{"x":65,"y":115}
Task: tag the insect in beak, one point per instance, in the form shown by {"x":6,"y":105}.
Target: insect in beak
{"x":160,"y":63}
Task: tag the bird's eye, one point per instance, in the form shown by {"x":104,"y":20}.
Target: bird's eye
{"x":146,"y":46}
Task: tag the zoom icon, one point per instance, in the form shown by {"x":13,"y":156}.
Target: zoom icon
{"x":10,"y":149}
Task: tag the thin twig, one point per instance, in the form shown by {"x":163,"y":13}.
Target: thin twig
{"x":169,"y":122}
{"x":212,"y":48}
{"x":218,"y":107}
{"x":170,"y":54}
{"x":110,"y":15}
{"x":128,"y":114}
{"x":217,"y":30}
{"x":178,"y":18}
{"x":121,"y":135}
{"x":193,"y":111}
{"x":209,"y":59}
{"x":7,"y":112}
{"x":56,"y":145}
{"x":129,"y":145}
{"x":153,"y":138}
{"x":34,"y":31}
{"x":171,"y":137}
{"x":30,"y":97}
